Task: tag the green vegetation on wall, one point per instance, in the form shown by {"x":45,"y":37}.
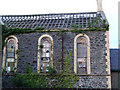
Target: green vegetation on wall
{"x":53,"y":79}
{"x":13,"y":31}
{"x":92,"y":26}
{"x":61,"y":75}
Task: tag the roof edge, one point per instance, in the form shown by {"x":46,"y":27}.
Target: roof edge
{"x":103,"y":15}
{"x":53,"y":14}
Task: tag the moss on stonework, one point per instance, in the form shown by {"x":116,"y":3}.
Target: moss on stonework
{"x":76,"y":29}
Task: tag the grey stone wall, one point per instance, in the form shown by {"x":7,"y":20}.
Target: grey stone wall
{"x":84,"y":82}
{"x":28,"y":46}
{"x":6,"y":81}
{"x":91,"y":82}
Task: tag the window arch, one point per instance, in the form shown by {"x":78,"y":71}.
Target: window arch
{"x":45,"y":53}
{"x":82,"y":54}
{"x":9,"y":54}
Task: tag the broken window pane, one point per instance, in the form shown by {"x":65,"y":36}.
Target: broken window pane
{"x":45,"y":55}
{"x":10,"y":57}
{"x":10,"y":54}
{"x":81,"y":55}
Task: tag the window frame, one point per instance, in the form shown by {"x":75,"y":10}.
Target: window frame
{"x":5,"y":52}
{"x":39,"y":55}
{"x":88,"y":52}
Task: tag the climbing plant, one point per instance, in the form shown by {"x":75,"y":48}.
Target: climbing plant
{"x":61,"y":75}
{"x":92,"y":26}
{"x":62,"y":78}
{"x":13,"y":31}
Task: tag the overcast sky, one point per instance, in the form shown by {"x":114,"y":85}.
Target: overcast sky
{"x":23,"y":7}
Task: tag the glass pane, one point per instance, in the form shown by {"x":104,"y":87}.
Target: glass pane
{"x":81,"y":39}
{"x":81,"y":65}
{"x":44,"y":67}
{"x":10,"y":66}
{"x":47,"y":55}
{"x":11,"y":44}
{"x":47,"y":50}
{"x":81,"y":47}
{"x":47,"y":44}
{"x":11,"y":41}
{"x":10,"y":54}
{"x":79,"y":50}
{"x":12,"y":50}
{"x":43,"y":55}
{"x":46,"y":70}
{"x":8,"y":69}
{"x":45,"y":59}
{"x":84,"y":51}
{"x":8,"y":49}
{"x":44,"y":50}
{"x":10,"y":59}
{"x":43,"y":44}
{"x":82,"y":70}
{"x":47,"y":65}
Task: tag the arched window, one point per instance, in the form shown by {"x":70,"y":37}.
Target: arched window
{"x":10,"y":56}
{"x":45,"y":53}
{"x":82,"y":54}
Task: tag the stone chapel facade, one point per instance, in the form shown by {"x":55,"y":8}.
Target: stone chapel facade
{"x":90,"y":58}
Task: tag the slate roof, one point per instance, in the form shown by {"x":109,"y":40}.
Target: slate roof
{"x":115,"y":59}
{"x":52,"y":21}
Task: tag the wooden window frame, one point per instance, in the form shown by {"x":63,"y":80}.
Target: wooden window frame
{"x":88,"y":53}
{"x":4,"y":52}
{"x":39,"y":55}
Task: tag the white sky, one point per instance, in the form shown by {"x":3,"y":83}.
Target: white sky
{"x":110,"y":7}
